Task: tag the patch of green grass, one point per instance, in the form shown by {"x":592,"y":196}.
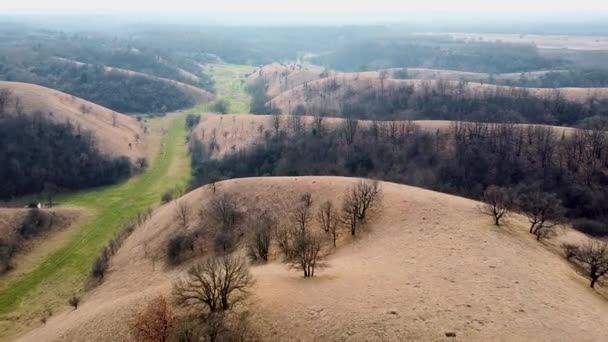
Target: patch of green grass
{"x":66,"y":270}
{"x":231,"y":86}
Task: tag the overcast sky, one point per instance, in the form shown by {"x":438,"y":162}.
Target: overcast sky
{"x":315,"y":6}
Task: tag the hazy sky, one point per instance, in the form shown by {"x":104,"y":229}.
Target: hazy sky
{"x":314,"y":6}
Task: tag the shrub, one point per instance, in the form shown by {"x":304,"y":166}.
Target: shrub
{"x":166,"y":197}
{"x":570,"y":249}
{"x":178,"y":246}
{"x":155,"y":323}
{"x":74,"y":301}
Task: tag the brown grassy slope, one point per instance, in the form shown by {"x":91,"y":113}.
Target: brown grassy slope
{"x":236,"y":132}
{"x":61,"y":107}
{"x":201,"y":96}
{"x":280,"y":77}
{"x":54,"y":224}
{"x":430,"y":264}
{"x":320,"y":93}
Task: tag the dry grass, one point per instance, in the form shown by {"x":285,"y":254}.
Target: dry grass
{"x":430,"y":265}
{"x":282,"y":77}
{"x":234,"y":132}
{"x":61,"y":108}
{"x":358,"y":83}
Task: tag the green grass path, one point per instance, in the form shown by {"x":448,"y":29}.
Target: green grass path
{"x":230,"y":84}
{"x":65,"y":271}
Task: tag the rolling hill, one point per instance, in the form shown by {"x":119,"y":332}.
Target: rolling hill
{"x":431,"y":264}
{"x":201,"y":96}
{"x":234,"y":132}
{"x":349,"y":94}
{"x":115,"y":134}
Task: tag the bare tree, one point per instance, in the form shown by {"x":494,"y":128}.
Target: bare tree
{"x":306,"y":253}
{"x":155,"y":323}
{"x":301,"y":216}
{"x":215,"y":284}
{"x":261,"y":237}
{"x":5,"y":97}
{"x":595,"y":255}
{"x":276,"y":123}
{"x":497,"y":202}
{"x":223,"y":214}
{"x":182,"y":213}
{"x":358,"y":202}
{"x":350,"y":130}
{"x":327,"y":218}
{"x":540,"y":207}
{"x":19,"y":108}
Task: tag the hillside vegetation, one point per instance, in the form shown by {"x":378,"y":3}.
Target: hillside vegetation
{"x":372,"y":288}
{"x":459,"y":158}
{"x":114,"y":134}
{"x":373,"y":95}
{"x":27,"y":298}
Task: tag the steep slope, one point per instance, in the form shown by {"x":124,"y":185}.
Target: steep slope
{"x":430,"y":264}
{"x":115,"y":134}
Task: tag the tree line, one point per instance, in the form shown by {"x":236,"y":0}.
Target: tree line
{"x":443,"y":100}
{"x":38,"y":155}
{"x":111,"y":89}
{"x":464,"y":159}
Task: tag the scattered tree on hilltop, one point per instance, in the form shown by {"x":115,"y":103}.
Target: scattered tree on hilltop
{"x":260,"y":240}
{"x":359,"y":200}
{"x":497,"y":202}
{"x":594,"y":254}
{"x":215,"y":284}
{"x":540,"y":207}
{"x":328,"y":219}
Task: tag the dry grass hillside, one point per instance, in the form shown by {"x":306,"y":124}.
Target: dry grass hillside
{"x":234,"y":132}
{"x":278,"y":77}
{"x":428,"y":265}
{"x":332,"y":92}
{"x":32,"y":235}
{"x":115,"y":140}
{"x":201,"y":96}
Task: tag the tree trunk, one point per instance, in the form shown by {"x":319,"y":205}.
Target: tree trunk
{"x":532,"y":227}
{"x":496,"y":221}
{"x":593,"y":280}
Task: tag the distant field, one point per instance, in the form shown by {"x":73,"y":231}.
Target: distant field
{"x":230,"y":86}
{"x":24,"y":299}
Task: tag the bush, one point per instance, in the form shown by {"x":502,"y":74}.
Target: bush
{"x":178,"y":246}
{"x":221,"y":106}
{"x":591,"y":227}
{"x":74,"y":301}
{"x":101,"y":264}
{"x":166,"y":197}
